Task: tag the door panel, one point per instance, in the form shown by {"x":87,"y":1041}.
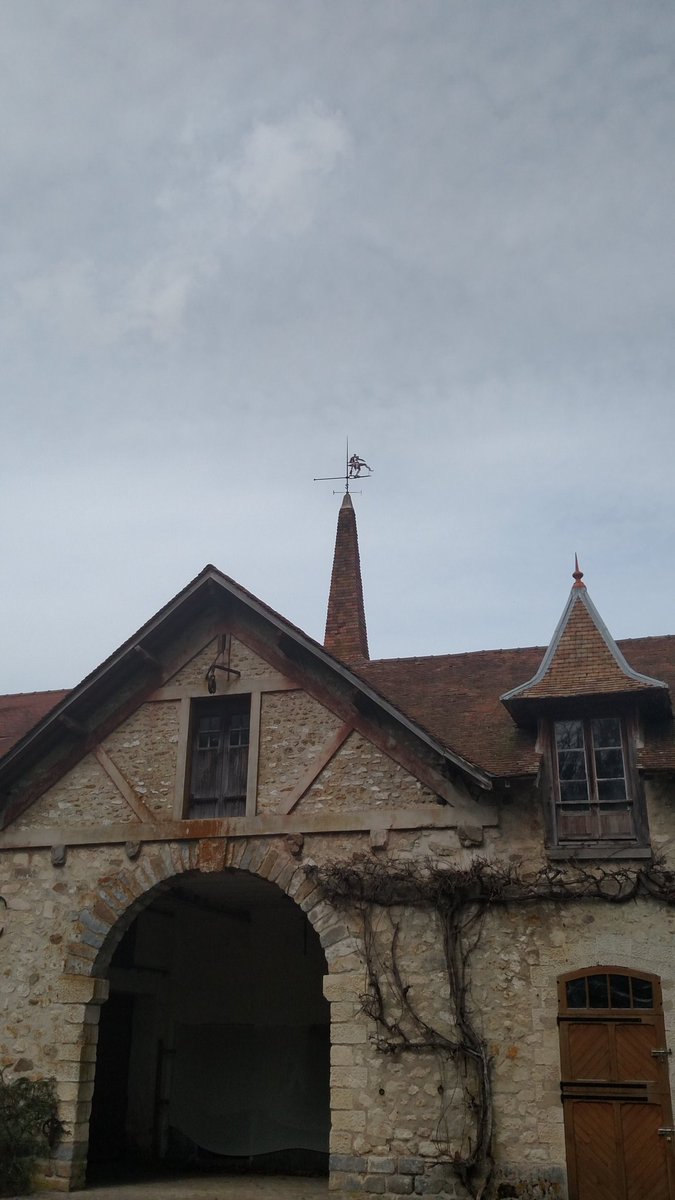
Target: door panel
{"x":634,"y":1045}
{"x":615,"y":1088}
{"x":596,"y":1160}
{"x":645,"y":1153}
{"x":589,"y":1051}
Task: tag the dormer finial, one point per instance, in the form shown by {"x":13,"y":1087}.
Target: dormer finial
{"x":577,"y":575}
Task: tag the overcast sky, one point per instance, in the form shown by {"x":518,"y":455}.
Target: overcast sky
{"x":235,"y":233}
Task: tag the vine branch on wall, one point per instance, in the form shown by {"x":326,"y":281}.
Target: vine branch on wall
{"x":461,"y":897}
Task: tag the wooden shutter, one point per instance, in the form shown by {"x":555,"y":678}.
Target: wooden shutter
{"x":219,"y":764}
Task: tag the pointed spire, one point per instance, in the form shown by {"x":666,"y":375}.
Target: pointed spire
{"x":346,"y":635}
{"x":577,"y":575}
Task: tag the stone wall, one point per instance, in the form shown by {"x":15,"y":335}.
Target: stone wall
{"x":402,"y":1118}
{"x":294,"y":728}
{"x":396,"y":1121}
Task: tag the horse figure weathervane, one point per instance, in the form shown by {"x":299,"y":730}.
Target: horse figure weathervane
{"x":355,"y":468}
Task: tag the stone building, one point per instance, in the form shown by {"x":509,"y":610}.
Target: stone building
{"x":264,"y":900}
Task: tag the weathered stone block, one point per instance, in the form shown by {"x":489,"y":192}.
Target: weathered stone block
{"x":341,"y":1055}
{"x":342,"y":1142}
{"x":268,"y":864}
{"x":346,"y":1184}
{"x":411,"y":1166}
{"x":253,"y":856}
{"x":286,"y":875}
{"x":346,"y":948}
{"x":95,"y":940}
{"x":331,"y":936}
{"x":350,"y":1120}
{"x":341,"y":1097}
{"x":375,"y":1185}
{"x":77,"y":989}
{"x":346,"y":986}
{"x":425,"y":1186}
{"x":400,"y":1185}
{"x":211,"y":854}
{"x":349,"y":1077}
{"x":351,"y":1034}
{"x":378,"y":1164}
{"x":347,"y":1162}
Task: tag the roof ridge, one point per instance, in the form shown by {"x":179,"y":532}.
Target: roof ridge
{"x":457,"y":654}
{"x":35,"y":692}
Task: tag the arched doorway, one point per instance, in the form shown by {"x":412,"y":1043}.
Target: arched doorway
{"x":615,"y":1086}
{"x":213,"y":1049}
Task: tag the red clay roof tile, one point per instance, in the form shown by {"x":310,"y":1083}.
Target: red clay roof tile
{"x":457,"y":698}
{"x":582,"y":660}
{"x":21,"y":711}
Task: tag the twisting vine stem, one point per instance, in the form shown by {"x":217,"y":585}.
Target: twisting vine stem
{"x":461,"y":897}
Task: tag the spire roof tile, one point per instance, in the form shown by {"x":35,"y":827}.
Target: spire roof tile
{"x":346,"y":636}
{"x":582,"y":660}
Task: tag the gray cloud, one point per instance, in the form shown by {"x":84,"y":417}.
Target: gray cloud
{"x":233,"y":234}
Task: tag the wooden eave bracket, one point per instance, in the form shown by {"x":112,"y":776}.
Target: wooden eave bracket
{"x":146,"y":657}
{"x":72,"y":725}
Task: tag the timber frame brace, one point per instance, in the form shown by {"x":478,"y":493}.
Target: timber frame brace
{"x":460,"y":898}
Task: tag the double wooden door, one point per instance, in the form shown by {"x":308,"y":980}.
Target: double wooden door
{"x":615,"y":1090}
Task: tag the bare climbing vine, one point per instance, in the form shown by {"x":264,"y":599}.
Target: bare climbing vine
{"x":461,"y":898}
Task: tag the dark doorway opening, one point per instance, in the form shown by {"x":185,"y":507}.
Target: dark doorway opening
{"x":214,"y":1046}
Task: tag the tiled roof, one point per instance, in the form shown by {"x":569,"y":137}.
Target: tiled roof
{"x":346,"y":635}
{"x":582,"y":660}
{"x":455,"y":697}
{"x":21,"y":711}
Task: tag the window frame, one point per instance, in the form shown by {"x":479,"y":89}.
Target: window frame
{"x":237,"y":703}
{"x":595,"y":844}
{"x":590,"y":1011}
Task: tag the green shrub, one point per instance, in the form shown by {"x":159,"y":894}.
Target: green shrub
{"x":29,"y":1129}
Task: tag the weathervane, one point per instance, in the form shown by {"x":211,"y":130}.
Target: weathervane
{"x":355,"y":468}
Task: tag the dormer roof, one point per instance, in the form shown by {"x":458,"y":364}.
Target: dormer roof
{"x":583,"y":662}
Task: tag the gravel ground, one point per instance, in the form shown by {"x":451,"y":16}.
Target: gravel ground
{"x":223,"y":1187}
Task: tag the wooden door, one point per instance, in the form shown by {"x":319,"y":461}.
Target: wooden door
{"x":615,"y":1088}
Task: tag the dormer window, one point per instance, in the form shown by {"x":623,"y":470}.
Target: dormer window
{"x":593,"y":797}
{"x":585,"y":698}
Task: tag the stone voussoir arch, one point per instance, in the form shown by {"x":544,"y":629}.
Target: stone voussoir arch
{"x":121,"y":897}
{"x":99,"y":927}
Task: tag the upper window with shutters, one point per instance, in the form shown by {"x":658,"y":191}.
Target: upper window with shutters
{"x":218,"y":768}
{"x":595,"y":791}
